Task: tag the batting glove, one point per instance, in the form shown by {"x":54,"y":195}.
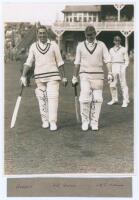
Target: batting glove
{"x":23,"y":81}
{"x":64,"y":81}
{"x":74,"y":81}
{"x":110,"y":77}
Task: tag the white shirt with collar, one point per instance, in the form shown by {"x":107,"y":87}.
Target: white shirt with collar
{"x":91,"y":45}
{"x":47,"y":59}
{"x":43,"y":45}
{"x":119,"y":55}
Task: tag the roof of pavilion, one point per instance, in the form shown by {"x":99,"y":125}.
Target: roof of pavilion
{"x":82,"y":8}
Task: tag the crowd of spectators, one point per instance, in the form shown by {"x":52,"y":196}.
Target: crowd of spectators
{"x":14,"y":33}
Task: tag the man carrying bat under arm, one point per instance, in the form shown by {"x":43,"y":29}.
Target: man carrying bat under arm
{"x":90,"y":55}
{"x":49,"y":66}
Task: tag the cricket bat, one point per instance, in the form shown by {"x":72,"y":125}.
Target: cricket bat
{"x":16,"y":108}
{"x":76,"y":104}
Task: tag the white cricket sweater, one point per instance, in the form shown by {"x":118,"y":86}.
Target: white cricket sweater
{"x":91,"y":61}
{"x":47,"y":59}
{"x":119,"y":55}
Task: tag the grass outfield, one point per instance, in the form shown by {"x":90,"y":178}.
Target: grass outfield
{"x":29,"y":149}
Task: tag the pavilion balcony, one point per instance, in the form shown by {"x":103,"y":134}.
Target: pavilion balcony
{"x":100,"y":26}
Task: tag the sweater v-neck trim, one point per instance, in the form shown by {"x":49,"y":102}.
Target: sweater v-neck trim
{"x":45,"y":50}
{"x":91,"y":52}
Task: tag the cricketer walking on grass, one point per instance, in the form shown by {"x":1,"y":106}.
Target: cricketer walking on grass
{"x":120,"y":61}
{"x":49,"y":70}
{"x":91,"y":54}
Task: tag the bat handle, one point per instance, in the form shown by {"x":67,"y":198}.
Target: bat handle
{"x":75,"y":90}
{"x":22,"y":86}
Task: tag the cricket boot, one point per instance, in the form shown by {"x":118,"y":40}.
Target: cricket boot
{"x":114,"y":94}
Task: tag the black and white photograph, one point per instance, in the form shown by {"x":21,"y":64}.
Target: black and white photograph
{"x":68,"y":88}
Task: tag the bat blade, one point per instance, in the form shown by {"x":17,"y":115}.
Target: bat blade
{"x":16,"y":108}
{"x":76,"y":109}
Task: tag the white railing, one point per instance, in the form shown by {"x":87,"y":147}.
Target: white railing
{"x":98,"y":25}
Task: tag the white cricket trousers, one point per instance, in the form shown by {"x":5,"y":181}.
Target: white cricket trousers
{"x":119,"y":70}
{"x":47,"y":94}
{"x":90,"y":100}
